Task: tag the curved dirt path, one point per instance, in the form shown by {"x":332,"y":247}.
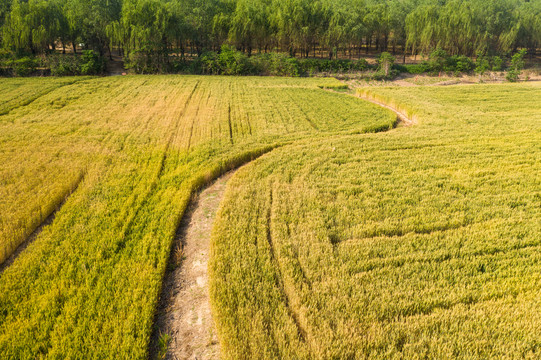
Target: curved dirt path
{"x":402,"y":117}
{"x":184,"y":320}
{"x":184,"y":327}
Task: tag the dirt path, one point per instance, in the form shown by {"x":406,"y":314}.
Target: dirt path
{"x":184,"y":318}
{"x":184,"y":327}
{"x":115,"y":67}
{"x":402,"y":117}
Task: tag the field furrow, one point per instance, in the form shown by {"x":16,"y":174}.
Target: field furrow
{"x":422,"y":240}
{"x":89,"y":284}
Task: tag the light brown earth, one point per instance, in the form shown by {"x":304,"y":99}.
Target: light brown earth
{"x":403,"y":119}
{"x":184,"y":315}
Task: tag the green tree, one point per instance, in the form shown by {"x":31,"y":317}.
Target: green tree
{"x":517,"y":64}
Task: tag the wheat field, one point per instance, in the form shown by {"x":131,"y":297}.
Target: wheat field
{"x":120,"y":158}
{"x":421,"y":242}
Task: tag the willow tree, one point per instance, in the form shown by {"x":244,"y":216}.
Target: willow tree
{"x":295,"y":22}
{"x":421,"y":29}
{"x":144,"y":31}
{"x":249,"y":25}
{"x":32,"y":26}
{"x":527,"y":30}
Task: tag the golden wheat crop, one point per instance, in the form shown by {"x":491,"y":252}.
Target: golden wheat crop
{"x":422,"y":242}
{"x":134,"y":149}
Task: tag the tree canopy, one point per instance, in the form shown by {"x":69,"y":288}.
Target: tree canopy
{"x":154,"y":29}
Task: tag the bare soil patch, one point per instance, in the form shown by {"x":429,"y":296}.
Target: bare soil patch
{"x":185,"y":328}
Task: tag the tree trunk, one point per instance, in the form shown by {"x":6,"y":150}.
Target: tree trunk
{"x":110,"y":52}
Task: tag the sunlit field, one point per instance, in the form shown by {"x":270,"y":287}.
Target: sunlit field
{"x":421,"y":242}
{"x":121,"y":157}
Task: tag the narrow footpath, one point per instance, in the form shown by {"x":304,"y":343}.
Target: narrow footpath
{"x":185,"y":328}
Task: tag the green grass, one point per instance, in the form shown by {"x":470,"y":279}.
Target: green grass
{"x":422,"y":242}
{"x":135,"y":149}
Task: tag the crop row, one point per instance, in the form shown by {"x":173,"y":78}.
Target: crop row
{"x":419,"y":242}
{"x":89,"y":284}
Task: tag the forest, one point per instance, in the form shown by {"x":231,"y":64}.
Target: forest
{"x":155,"y":31}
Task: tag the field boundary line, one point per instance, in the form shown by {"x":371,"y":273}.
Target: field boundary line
{"x":198,"y":184}
{"x":184,"y":319}
{"x":406,"y":117}
{"x":402,"y":114}
{"x":35,"y":233}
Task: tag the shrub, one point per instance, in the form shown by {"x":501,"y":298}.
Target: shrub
{"x":92,"y":63}
{"x":497,"y":63}
{"x":512,"y":75}
{"x":292,"y":67}
{"x":309,"y":66}
{"x":340,"y":65}
{"x":416,"y":68}
{"x":517,"y":64}
{"x":438,"y":60}
{"x":482,"y":64}
{"x":24,"y":66}
{"x":227,"y":62}
{"x":283,"y":65}
{"x":400,"y":68}
{"x":361,"y":65}
{"x":147,"y":59}
{"x":232,"y":62}
{"x":6,"y":54}
{"x":517,"y":61}
{"x":209,"y":63}
{"x":464,"y":64}
{"x":63,"y":65}
{"x":385,"y":64}
{"x":382,"y":75}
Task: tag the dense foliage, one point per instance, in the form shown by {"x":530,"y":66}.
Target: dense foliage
{"x":87,"y":63}
{"x":148,"y":32}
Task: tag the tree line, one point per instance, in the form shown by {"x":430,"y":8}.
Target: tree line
{"x":154,"y":30}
